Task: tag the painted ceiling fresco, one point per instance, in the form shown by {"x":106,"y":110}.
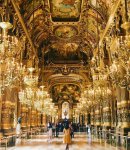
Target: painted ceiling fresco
{"x":64,"y":53}
{"x":59,"y":57}
{"x":63,"y":10}
{"x":64,"y":35}
{"x":66,"y":92}
{"x":53,"y":20}
{"x":65,"y":49}
{"x":65,"y":32}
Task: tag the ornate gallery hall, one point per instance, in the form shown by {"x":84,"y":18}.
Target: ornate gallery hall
{"x":65,"y":66}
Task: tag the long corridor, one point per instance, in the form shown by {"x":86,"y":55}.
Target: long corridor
{"x":79,"y":142}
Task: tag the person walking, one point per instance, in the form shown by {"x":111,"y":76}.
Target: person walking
{"x":71,"y":130}
{"x":50,"y":132}
{"x":18,"y":127}
{"x":66,"y":137}
{"x":18,"y":131}
{"x":57,"y":129}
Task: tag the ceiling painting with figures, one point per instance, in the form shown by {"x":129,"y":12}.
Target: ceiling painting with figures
{"x":65,"y":9}
{"x":66,"y":92}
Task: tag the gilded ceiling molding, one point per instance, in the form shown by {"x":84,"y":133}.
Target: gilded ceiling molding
{"x":59,"y":79}
{"x":27,"y":8}
{"x":110,"y":21}
{"x":24,"y":26}
{"x":88,"y":26}
{"x":41,"y":36}
{"x":102,"y":11}
{"x":37,"y":13}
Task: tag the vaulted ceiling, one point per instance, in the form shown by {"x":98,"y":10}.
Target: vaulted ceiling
{"x":65,"y":26}
{"x":65,"y":34}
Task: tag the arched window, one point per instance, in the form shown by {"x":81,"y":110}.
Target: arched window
{"x":65,"y":110}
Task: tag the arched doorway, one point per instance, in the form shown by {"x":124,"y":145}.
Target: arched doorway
{"x":65,"y":110}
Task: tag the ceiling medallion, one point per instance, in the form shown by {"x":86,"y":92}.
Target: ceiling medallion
{"x":64,"y":32}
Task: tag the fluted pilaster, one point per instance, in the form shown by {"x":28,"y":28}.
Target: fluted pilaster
{"x":106,"y":113}
{"x":24,"y":112}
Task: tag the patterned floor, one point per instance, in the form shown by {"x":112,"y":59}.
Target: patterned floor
{"x":80,"y":142}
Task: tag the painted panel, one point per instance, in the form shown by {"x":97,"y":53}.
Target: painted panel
{"x":65,"y":9}
{"x":66,"y":92}
{"x":65,"y":32}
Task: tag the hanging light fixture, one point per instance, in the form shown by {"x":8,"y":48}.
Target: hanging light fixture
{"x":10,"y":67}
{"x":120,"y":67}
{"x":99,"y":91}
{"x":98,"y":70}
{"x":32,"y":95}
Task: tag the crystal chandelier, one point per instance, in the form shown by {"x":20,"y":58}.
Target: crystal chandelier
{"x":98,"y":69}
{"x":26,"y":96}
{"x":99,"y":72}
{"x":45,"y":106}
{"x":10,"y":67}
{"x":120,"y":67}
{"x":37,"y":98}
{"x":31,"y":97}
{"x":41,"y":95}
{"x":29,"y":91}
{"x":93,"y":95}
{"x":31,"y":79}
{"x":119,"y":70}
{"x":8,"y":44}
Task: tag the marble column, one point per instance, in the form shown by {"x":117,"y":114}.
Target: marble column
{"x":18,"y":109}
{"x":0,"y":110}
{"x":6,"y":113}
{"x":86,"y":118}
{"x":92,"y":116}
{"x":29,"y":118}
{"x":60,"y":111}
{"x":97,"y":115}
{"x":70,"y":111}
{"x":106,"y":113}
{"x":44,"y":120}
{"x":24,"y":111}
{"x":39,"y":119}
{"x":125,"y":108}
{"x":33,"y":118}
{"x":81,"y":119}
{"x":119,"y":114}
{"x":12,"y":119}
{"x":77,"y":118}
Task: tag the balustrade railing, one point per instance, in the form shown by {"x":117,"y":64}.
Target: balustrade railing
{"x":111,"y":138}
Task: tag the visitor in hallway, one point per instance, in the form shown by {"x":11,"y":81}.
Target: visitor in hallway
{"x":53,"y":129}
{"x":71,"y":130}
{"x":18,"y":127}
{"x":57,"y":129}
{"x":67,"y":137}
{"x":18,"y":131}
{"x":49,"y":132}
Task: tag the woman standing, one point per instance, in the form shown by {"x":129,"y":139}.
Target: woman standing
{"x":18,"y":131}
{"x":67,"y":137}
{"x":18,"y":127}
{"x":50,"y":132}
